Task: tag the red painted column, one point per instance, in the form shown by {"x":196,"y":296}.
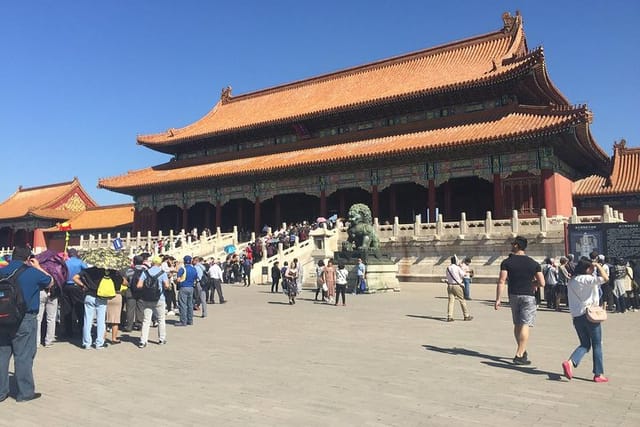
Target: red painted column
{"x":278,"y":214}
{"x":256,"y":217}
{"x":392,"y":202}
{"x":136,"y":220}
{"x":341,"y":205}
{"x":548,"y":201}
{"x":375,"y":201}
{"x":239,"y":215}
{"x":185,"y":219}
{"x":218,"y":214}
{"x":498,"y":197}
{"x":323,"y":203}
{"x":447,"y":200}
{"x":154,"y":221}
{"x":207,"y":217}
{"x":432,"y":200}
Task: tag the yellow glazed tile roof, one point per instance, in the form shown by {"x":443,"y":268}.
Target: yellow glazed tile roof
{"x":103,"y":217}
{"x":464,"y":63}
{"x":624,"y":178}
{"x":41,"y":201}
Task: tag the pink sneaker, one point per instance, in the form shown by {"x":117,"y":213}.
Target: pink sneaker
{"x":601,"y":379}
{"x":566,"y":367}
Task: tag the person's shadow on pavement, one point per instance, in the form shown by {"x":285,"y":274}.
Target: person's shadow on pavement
{"x":494,"y":361}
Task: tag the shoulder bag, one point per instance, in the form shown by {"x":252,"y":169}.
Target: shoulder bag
{"x":594,"y":313}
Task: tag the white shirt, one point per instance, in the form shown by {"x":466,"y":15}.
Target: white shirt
{"x":341,"y":276}
{"x":582,"y":291}
{"x":215,"y":272}
{"x":455,"y":273}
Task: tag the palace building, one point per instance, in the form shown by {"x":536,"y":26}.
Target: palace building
{"x":29,"y":209}
{"x":470,"y":126}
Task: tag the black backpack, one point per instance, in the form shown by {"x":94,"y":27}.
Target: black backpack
{"x":12,"y":303}
{"x":150,"y":290}
{"x":133,"y":282}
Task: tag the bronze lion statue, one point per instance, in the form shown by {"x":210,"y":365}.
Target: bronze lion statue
{"x":362,"y":235}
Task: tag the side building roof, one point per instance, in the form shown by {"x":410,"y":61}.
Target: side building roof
{"x":624,"y":177}
{"x":56,"y":201}
{"x":470,"y":62}
{"x":102,"y":218}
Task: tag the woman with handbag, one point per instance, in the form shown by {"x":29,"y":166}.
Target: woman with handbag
{"x":583,"y":295}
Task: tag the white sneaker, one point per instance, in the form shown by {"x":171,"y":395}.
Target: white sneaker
{"x":170,"y":313}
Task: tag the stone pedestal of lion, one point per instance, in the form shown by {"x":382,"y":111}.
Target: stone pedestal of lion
{"x":363,"y":243}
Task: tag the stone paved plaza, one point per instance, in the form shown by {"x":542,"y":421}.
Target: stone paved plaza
{"x":385,"y":359}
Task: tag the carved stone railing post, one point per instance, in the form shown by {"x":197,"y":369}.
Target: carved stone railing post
{"x":606,"y":214}
{"x":543,"y":221}
{"x":138,"y":239}
{"x":574,"y":216}
{"x":149,"y":241}
{"x":439,"y":227}
{"x":515,"y":224}
{"x":396,"y":226}
{"x":376,"y":225}
{"x":235,"y":235}
{"x":128,"y":239}
{"x":218,"y":233}
{"x":417,"y":225}
{"x":463,"y":224}
{"x":488,"y":224}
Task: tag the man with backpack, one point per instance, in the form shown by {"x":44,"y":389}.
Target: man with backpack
{"x":20,"y":284}
{"x":151,"y":286}
{"x":132,"y":302}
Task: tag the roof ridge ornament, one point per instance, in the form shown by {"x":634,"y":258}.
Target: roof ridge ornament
{"x":510,"y":22}
{"x":621,"y":145}
{"x":225,"y":96}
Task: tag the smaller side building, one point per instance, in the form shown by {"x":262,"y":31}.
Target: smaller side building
{"x":29,"y":209}
{"x":620,"y":190}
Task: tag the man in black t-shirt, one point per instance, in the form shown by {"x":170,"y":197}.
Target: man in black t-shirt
{"x":521,"y":272}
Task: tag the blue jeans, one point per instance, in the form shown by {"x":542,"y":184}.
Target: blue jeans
{"x":23,"y":347}
{"x":590,"y":335}
{"x":94,"y":306}
{"x":185,"y":304}
{"x":467,"y":287}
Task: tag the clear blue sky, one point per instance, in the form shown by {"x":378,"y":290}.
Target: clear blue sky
{"x":79,"y":80}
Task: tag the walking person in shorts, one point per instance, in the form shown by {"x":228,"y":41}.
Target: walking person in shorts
{"x":521,"y":272}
